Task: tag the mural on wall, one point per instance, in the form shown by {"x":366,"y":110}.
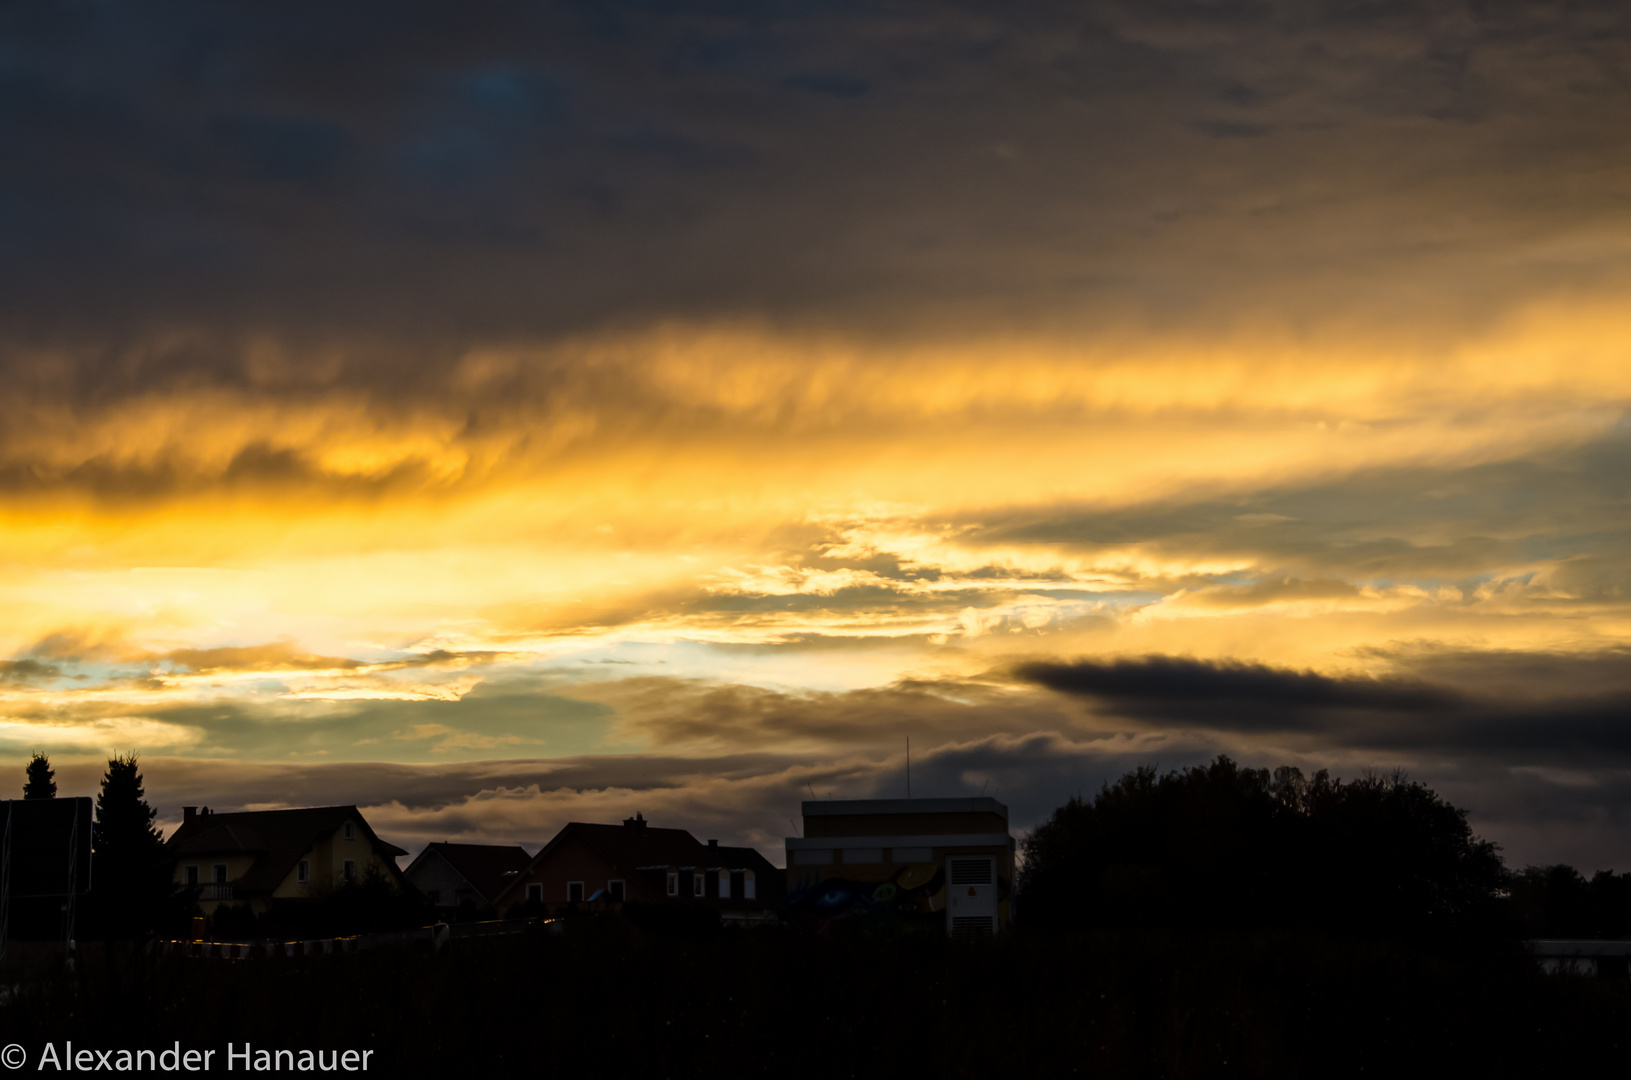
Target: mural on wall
{"x":916,"y":889}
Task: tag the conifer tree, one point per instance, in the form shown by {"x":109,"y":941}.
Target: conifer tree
{"x":130,"y":883}
{"x":41,"y":779}
{"x":124,"y":829}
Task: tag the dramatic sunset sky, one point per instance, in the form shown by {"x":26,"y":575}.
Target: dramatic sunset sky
{"x":495,"y":415}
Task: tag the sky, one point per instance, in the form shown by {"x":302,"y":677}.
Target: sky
{"x":497,"y":415}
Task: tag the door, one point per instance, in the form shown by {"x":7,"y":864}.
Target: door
{"x":971,"y":895}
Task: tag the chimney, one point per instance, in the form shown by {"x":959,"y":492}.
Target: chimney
{"x":189,"y":814}
{"x":637,"y":822}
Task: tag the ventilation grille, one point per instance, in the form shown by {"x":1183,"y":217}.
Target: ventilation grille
{"x":974,"y":925}
{"x":971,"y":871}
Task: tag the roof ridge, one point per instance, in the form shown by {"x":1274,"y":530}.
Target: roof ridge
{"x":278,"y":810}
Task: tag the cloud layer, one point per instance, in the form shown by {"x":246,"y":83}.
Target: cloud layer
{"x":527,"y":414}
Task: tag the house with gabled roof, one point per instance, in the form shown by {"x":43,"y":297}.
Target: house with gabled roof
{"x":254,"y":857}
{"x":450,"y":875}
{"x":605,"y":866}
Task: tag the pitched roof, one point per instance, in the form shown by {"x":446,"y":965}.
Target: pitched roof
{"x":635,"y":847}
{"x":278,"y":837}
{"x":627,"y":847}
{"x":741,"y":858}
{"x":487,"y":867}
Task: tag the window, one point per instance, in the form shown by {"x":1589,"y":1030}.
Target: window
{"x":350,"y":831}
{"x":350,"y":870}
{"x":535,"y":891}
{"x":699,"y":885}
{"x":724,"y":884}
{"x":303,"y":872}
{"x":434,"y":896}
{"x":190,"y":875}
{"x":219,"y":873}
{"x":747,"y":885}
{"x":614,"y":890}
{"x":673,"y":884}
{"x":574,"y":892}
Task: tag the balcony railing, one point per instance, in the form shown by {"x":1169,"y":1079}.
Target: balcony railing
{"x":215,"y":892}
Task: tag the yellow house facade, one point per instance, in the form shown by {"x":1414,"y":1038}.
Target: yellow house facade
{"x":256,"y":857}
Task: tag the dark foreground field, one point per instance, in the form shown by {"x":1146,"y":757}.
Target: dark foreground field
{"x":604,"y":1001}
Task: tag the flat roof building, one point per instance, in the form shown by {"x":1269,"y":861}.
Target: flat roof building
{"x":945,"y":861}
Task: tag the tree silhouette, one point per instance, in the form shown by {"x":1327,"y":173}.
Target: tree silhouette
{"x":1224,"y":847}
{"x":1558,"y":902}
{"x":41,"y":783}
{"x":124,"y":822}
{"x":129,"y":880}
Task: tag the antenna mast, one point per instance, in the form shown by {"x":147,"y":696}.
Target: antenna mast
{"x":908,"y":766}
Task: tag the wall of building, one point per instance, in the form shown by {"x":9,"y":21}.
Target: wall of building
{"x":839,"y":890}
{"x":237,"y":867}
{"x":887,"y":858}
{"x":441,"y":884}
{"x":327,"y":857}
{"x":903,"y":824}
{"x":572,"y":860}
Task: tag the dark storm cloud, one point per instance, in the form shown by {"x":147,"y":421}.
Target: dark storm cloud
{"x":1552,"y":721}
{"x":1170,"y":679}
{"x":1513,"y":673}
{"x":525,"y":168}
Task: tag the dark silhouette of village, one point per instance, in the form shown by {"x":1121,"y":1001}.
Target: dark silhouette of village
{"x":1199,"y":922}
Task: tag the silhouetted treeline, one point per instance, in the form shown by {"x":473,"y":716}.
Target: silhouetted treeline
{"x":1222,"y":847}
{"x":1558,"y":902}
